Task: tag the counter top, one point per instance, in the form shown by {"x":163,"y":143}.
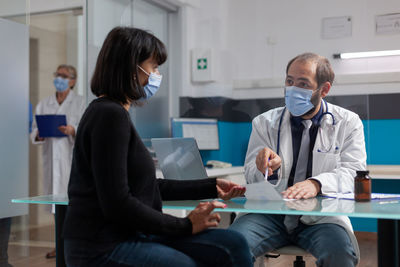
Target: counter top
{"x":384,"y":171}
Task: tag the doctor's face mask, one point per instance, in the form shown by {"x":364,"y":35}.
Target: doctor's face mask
{"x":61,"y":84}
{"x":300,"y":101}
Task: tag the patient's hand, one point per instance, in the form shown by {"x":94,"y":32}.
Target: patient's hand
{"x":227,"y":189}
{"x":202,"y":218}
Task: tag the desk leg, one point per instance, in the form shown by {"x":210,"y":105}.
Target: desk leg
{"x":388,"y":243}
{"x":60,"y":216}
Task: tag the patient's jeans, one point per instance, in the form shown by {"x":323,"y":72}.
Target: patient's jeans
{"x":216,"y":247}
{"x":329,"y":243}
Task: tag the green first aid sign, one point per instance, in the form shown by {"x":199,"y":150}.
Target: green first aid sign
{"x":202,"y":63}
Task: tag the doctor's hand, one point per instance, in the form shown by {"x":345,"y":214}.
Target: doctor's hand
{"x":267,"y":158}
{"x":302,"y":204}
{"x":38,"y":138}
{"x":227,"y":189}
{"x":67,"y":130}
{"x":305,"y":189}
{"x":202,"y":218}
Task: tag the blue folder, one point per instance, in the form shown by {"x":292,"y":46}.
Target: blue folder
{"x":48,"y":125}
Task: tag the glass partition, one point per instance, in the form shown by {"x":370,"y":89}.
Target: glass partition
{"x":53,"y":36}
{"x":151,"y":120}
{"x":14,"y":114}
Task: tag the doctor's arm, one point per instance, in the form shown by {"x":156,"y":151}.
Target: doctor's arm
{"x":35,"y":135}
{"x":67,"y":130}
{"x":303,"y":190}
{"x":259,"y":152}
{"x":74,"y":119}
{"x":352,"y":157}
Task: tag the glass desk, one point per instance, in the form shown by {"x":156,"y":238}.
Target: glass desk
{"x":387,"y":211}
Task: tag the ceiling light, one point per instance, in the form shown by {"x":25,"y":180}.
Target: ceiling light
{"x":383,"y":53}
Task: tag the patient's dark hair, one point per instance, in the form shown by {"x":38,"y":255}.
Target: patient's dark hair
{"x":116,"y":72}
{"x":324,"y":69}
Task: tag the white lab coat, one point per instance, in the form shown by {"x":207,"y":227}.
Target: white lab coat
{"x":338,"y":153}
{"x":57,"y":152}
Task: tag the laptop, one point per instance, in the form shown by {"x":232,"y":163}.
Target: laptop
{"x":179,"y":158}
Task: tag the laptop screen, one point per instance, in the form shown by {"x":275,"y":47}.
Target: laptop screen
{"x":179,"y":158}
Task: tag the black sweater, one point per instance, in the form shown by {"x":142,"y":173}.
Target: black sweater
{"x":113,"y":192}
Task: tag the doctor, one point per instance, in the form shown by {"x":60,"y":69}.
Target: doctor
{"x":57,"y":152}
{"x":306,"y":148}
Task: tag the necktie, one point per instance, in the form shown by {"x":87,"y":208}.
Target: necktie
{"x":302,"y":160}
{"x":291,"y":221}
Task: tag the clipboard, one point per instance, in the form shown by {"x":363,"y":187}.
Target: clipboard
{"x":48,"y":125}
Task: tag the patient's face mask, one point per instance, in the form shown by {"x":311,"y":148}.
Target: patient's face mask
{"x":153,"y":84}
{"x":298,"y":100}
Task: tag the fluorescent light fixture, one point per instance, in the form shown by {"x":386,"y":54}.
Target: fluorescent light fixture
{"x":367,"y":54}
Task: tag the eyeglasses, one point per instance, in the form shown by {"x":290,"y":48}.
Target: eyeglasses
{"x":62,"y":75}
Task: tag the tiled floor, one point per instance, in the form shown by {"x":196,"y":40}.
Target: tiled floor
{"x":32,"y":253}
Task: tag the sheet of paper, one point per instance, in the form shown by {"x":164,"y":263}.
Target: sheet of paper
{"x":336,"y":27}
{"x":262,"y":191}
{"x":373,"y":196}
{"x":48,"y":125}
{"x":388,"y":24}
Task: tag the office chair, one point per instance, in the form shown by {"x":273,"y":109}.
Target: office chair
{"x":287,"y":250}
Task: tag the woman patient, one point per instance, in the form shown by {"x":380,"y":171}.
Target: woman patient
{"x":114,"y":215}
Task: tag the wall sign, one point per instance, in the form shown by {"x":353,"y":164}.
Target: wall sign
{"x":336,"y":27}
{"x":388,"y":24}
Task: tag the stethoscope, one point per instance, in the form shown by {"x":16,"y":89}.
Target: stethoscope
{"x":323,"y":149}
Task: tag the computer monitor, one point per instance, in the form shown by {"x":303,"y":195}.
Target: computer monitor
{"x":179,"y":158}
{"x":205,"y":131}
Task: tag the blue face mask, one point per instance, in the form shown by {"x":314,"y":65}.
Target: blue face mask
{"x":152,"y":85}
{"x":298,"y":100}
{"x":61,"y":84}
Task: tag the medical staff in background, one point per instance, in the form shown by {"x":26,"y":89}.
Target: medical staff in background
{"x":307,"y":148}
{"x":57,"y":151}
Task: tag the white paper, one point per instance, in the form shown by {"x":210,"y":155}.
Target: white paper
{"x":262,"y":191}
{"x":373,"y":196}
{"x":388,"y":24}
{"x":336,"y":27}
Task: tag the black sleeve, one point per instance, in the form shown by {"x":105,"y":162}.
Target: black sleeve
{"x":109,"y":152}
{"x":191,"y":189}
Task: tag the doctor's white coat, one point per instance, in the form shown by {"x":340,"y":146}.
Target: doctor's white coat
{"x":57,"y":152}
{"x":338,"y":153}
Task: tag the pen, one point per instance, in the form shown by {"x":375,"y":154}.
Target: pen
{"x":266,"y":171}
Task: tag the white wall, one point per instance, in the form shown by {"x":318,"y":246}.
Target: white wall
{"x":242,"y":31}
{"x":13,"y":7}
{"x":21,"y":7}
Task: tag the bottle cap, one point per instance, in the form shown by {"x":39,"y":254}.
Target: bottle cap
{"x":366,"y":172}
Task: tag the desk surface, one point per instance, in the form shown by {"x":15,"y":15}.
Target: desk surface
{"x":376,"y":171}
{"x":320,"y":206}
